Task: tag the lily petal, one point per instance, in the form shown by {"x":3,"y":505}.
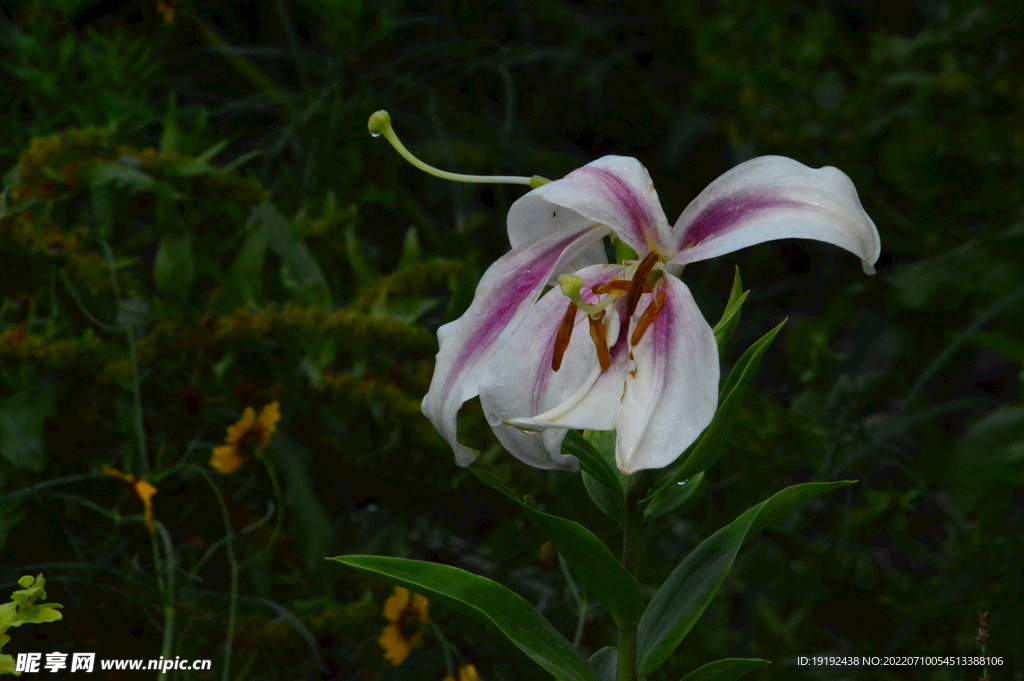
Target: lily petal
{"x":505,"y":293}
{"x":774,"y":197}
{"x":519,"y":381}
{"x":532,"y":216}
{"x":614,"y":190}
{"x":671,"y":390}
{"x":595,"y":406}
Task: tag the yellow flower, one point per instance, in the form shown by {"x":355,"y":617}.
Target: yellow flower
{"x":143,"y":490}
{"x":407,"y":611}
{"x":246,"y":438}
{"x":167,"y":8}
{"x":467,"y":673}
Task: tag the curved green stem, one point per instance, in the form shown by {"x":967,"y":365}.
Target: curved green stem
{"x":276,"y":486}
{"x":233,"y":561}
{"x":380,"y":125}
{"x":165,"y":571}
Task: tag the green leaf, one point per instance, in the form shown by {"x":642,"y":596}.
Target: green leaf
{"x":488,"y":602}
{"x":611,"y":504}
{"x":300,"y":272}
{"x":672,"y":497}
{"x":304,"y":509}
{"x":244,"y":284}
{"x":174,"y":269}
{"x":125,"y":173}
{"x":591,"y":460}
{"x":593,"y":564}
{"x":731,"y":316}
{"x":1004,"y":345}
{"x":728,"y":669}
{"x":354,"y":253}
{"x":38,"y":614}
{"x":27,"y":581}
{"x":410,"y":250}
{"x":605,"y":663}
{"x":170,"y":135}
{"x":708,"y":447}
{"x":683,"y":597}
{"x":200,"y":165}
{"x":22,"y":417}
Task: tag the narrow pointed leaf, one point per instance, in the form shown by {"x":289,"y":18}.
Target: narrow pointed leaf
{"x":731,"y":316}
{"x":361,"y":267}
{"x":410,"y":250}
{"x":749,"y":363}
{"x":595,"y":567}
{"x":300,"y":272}
{"x":683,"y":597}
{"x":728,"y":669}
{"x":174,"y":269}
{"x":488,"y":602}
{"x":672,"y":497}
{"x":244,"y":284}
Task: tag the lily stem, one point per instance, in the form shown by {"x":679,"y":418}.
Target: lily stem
{"x":631,"y":536}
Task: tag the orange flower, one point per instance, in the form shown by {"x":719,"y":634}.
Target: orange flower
{"x":407,"y":611}
{"x":467,"y":673}
{"x":143,"y":490}
{"x":246,"y":438}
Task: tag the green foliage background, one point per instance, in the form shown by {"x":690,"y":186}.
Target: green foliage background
{"x":194,"y":221}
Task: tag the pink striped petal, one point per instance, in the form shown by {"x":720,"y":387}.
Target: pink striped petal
{"x":671,"y":387}
{"x":614,"y":190}
{"x":519,"y":381}
{"x":774,"y":197}
{"x":505,"y":293}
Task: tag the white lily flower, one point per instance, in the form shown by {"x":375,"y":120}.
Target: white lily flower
{"x":619,"y":346}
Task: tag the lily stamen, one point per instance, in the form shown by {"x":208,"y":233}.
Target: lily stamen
{"x":599,"y":334}
{"x":639,"y":280}
{"x":563,"y":336}
{"x":647,"y":318}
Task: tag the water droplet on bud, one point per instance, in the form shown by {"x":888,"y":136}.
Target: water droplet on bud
{"x":374,"y":134}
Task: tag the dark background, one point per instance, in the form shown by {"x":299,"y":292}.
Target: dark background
{"x":119,"y":229}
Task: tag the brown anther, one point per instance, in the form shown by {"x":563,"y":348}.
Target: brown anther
{"x":599,"y":334}
{"x":617,"y":286}
{"x":563,"y":336}
{"x":636,"y":287}
{"x":647,"y":318}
